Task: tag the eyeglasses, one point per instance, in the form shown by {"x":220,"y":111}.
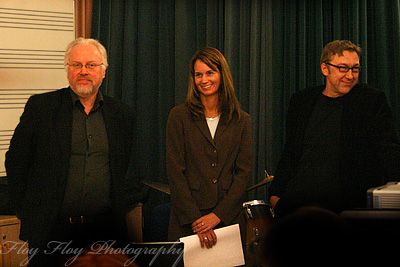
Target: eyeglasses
{"x":346,"y":69}
{"x":88,"y":66}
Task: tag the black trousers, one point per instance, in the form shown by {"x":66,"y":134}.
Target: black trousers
{"x":66,"y":241}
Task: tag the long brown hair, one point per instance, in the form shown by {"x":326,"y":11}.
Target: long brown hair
{"x":228,"y":103}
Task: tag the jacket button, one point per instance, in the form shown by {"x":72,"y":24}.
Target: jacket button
{"x":214,"y":165}
{"x":215,"y":181}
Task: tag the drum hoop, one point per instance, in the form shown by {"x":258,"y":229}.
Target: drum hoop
{"x":254,"y":203}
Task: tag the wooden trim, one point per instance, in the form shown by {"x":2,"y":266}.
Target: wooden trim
{"x":83,"y":18}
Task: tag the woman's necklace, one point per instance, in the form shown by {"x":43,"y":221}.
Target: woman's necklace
{"x":211,"y":115}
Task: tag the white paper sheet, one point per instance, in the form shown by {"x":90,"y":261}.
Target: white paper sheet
{"x":228,"y":251}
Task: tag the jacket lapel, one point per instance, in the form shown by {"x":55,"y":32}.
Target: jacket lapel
{"x":201,"y":123}
{"x":62,"y":120}
{"x":222,"y":126}
{"x":113,"y":127}
{"x":109,"y":117}
{"x":62,"y":127}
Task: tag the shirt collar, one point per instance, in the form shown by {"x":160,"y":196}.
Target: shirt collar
{"x":98,"y":102}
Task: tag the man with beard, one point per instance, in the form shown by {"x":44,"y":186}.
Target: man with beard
{"x":67,"y":163}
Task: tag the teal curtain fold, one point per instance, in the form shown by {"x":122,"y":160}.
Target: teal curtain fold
{"x":273,"y":48}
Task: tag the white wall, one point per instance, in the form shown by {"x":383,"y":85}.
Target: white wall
{"x":34,"y":35}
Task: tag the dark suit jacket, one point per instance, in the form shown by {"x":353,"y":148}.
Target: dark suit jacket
{"x":37,"y":162}
{"x":369,"y":146}
{"x":206,"y":174}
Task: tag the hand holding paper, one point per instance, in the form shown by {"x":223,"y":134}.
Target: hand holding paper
{"x":205,"y":223}
{"x":208,"y":239}
{"x":204,"y":229}
{"x":227,"y":252}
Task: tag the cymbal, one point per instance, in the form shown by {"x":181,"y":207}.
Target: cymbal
{"x":158,"y":186}
{"x":263,"y":182}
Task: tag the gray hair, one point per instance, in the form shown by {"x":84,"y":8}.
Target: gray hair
{"x":81,"y":40}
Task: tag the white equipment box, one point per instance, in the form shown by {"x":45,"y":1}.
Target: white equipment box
{"x":384,"y":197}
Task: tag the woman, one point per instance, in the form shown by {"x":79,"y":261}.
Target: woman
{"x":209,"y":152}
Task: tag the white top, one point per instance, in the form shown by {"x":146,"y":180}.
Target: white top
{"x":212,"y":125}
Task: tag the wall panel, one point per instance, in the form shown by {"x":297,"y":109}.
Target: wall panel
{"x":34,"y":36}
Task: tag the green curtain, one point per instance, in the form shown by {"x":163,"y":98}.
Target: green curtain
{"x":150,"y":44}
{"x":273,"y":48}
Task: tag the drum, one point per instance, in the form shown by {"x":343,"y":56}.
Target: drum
{"x":259,"y":216}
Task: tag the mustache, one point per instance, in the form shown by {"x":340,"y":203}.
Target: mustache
{"x":84,"y":77}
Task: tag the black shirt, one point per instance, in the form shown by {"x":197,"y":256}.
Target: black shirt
{"x":317,"y":180}
{"x":88,"y":188}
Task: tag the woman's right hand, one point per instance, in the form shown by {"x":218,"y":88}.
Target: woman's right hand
{"x":208,"y":239}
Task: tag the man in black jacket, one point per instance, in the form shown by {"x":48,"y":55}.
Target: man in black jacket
{"x":67,"y":162}
{"x":340,"y":139}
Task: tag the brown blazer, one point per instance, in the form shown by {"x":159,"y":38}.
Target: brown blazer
{"x":205,"y":174}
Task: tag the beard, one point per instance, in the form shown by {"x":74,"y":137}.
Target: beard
{"x":85,"y":90}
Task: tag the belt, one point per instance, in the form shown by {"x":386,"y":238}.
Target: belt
{"x":86,"y":218}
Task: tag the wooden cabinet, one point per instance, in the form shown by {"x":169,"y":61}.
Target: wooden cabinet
{"x":14,"y":252}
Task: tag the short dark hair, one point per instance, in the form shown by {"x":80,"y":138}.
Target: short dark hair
{"x":337,"y":47}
